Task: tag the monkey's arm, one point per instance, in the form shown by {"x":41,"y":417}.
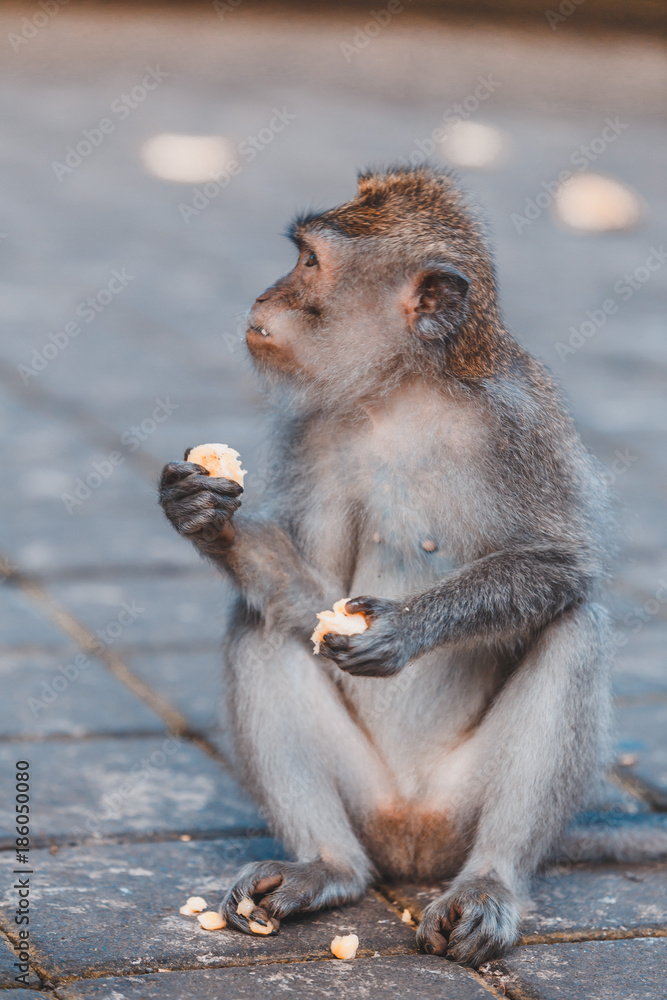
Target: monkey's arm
{"x":260,"y":558}
{"x":270,"y":574}
{"x":505,"y":595}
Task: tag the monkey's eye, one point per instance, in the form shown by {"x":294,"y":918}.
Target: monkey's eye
{"x":311,"y":260}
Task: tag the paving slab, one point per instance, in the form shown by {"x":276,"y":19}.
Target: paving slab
{"x":640,"y":666}
{"x":8,"y":970}
{"x":190,"y":680}
{"x":45,"y":693}
{"x":582,"y":899}
{"x":78,"y":502}
{"x":602,"y":898}
{"x":108,"y":909}
{"x":106,"y":787}
{"x":642,"y":732}
{"x":23,"y":622}
{"x":591,"y":970}
{"x":410,"y":977}
{"x":22,"y":994}
{"x":184,"y":609}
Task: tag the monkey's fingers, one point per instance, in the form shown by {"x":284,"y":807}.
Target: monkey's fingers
{"x":432,"y":941}
{"x":175,"y":471}
{"x":258,"y":921}
{"x":332,"y":644}
{"x":195,"y":483}
{"x":201,"y":512}
{"x":370,"y":607}
{"x":432,"y":933}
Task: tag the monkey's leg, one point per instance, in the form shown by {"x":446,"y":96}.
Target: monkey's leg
{"x":311,"y":768}
{"x":532,"y":761}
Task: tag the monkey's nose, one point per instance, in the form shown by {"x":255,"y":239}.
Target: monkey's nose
{"x":263,"y":297}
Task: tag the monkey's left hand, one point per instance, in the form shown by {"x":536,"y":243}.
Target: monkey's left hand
{"x":383,"y":649}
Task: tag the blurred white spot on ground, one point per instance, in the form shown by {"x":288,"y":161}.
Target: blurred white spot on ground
{"x":186,"y":158}
{"x":471,"y":144}
{"x":596,"y":204}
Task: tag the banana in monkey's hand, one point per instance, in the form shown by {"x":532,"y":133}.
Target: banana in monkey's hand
{"x":338,"y":621}
{"x":220,"y":461}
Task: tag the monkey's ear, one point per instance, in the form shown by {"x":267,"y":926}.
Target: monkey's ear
{"x":435,"y":301}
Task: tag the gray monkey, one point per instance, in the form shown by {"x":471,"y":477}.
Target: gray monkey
{"x":421,"y":457}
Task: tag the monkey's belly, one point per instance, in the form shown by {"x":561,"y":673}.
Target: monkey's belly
{"x":408,"y":840}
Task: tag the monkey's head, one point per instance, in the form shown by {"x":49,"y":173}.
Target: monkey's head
{"x":383,"y":285}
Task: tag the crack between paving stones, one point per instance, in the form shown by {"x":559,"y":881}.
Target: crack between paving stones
{"x":113,"y":660}
{"x":241,"y":963}
{"x":132,"y":837}
{"x":613,"y":934}
{"x":33,"y":964}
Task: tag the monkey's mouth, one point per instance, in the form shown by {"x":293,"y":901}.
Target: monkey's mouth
{"x":260,"y":330}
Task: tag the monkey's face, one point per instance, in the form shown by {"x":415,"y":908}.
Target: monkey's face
{"x":329,"y":314}
{"x":348,"y":312}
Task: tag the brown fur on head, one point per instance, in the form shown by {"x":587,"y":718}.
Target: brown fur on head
{"x":397,"y":280}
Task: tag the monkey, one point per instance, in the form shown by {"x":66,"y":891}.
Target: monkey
{"x":423,"y":462}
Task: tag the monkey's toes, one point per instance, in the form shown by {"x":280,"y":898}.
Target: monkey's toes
{"x":430,"y":937}
{"x":471,"y":925}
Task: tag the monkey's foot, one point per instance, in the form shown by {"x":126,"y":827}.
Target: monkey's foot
{"x":281,"y":888}
{"x":472,"y":923}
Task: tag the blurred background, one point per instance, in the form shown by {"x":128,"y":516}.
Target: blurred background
{"x":153,"y":154}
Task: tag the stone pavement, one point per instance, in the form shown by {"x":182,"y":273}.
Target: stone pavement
{"x":112,"y":626}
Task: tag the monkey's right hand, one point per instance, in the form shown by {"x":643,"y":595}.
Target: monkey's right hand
{"x":198,"y":505}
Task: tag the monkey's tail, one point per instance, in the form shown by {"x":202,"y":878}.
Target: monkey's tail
{"x":611,"y":836}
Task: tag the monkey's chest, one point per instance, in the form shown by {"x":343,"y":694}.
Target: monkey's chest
{"x":403,"y":542}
